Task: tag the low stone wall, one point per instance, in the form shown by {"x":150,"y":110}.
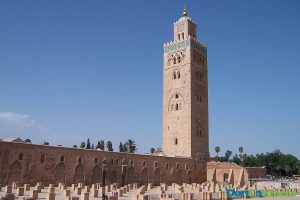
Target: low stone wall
{"x":256,"y":172}
{"x":30,"y":163}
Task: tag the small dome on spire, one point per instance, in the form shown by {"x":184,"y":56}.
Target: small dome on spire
{"x":184,"y":13}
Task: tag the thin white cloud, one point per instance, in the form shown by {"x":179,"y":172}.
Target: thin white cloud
{"x":18,"y":125}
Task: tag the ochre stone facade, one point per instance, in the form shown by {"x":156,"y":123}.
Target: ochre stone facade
{"x":185,"y":93}
{"x":230,"y":173}
{"x":29,"y":163}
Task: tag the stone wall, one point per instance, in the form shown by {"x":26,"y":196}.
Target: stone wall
{"x":256,"y":172}
{"x":30,"y":163}
{"x":230,"y":173}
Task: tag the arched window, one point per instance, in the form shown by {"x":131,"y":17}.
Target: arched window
{"x":178,"y":74}
{"x":174,"y":60}
{"x":144,"y":163}
{"x":182,"y":36}
{"x":62,"y":158}
{"x":178,"y":36}
{"x":176,"y":96}
{"x":176,"y":141}
{"x":131,"y":162}
{"x":179,"y":59}
{"x":167,"y":165}
{"x":186,"y":166}
{"x":174,"y":75}
{"x":176,"y":106}
{"x":21,"y":156}
{"x":79,"y":160}
{"x":96,"y":160}
{"x":155,"y":164}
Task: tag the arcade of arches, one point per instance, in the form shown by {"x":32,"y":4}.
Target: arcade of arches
{"x":29,"y":163}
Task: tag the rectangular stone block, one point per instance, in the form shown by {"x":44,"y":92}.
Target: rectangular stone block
{"x":39,"y":188}
{"x":120,"y":192}
{"x":95,"y":193}
{"x":67,"y":193}
{"x":20,"y":191}
{"x":73,"y":186}
{"x":113,"y":198}
{"x":87,"y":188}
{"x":85,"y":196}
{"x":78,"y":191}
{"x":16,"y":185}
{"x":51,"y":190}
{"x":40,"y":183}
{"x":94,"y":186}
{"x":27,"y":187}
{"x":8,"y":189}
{"x":34,"y":194}
{"x":102,"y":190}
{"x":50,"y":196}
{"x":108,"y":188}
{"x":150,"y":186}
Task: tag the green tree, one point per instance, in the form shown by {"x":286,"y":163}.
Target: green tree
{"x":88,"y":144}
{"x":236,"y":159}
{"x":82,"y":145}
{"x":46,"y":143}
{"x":131,"y":146}
{"x":102,"y":146}
{"x":152,"y":150}
{"x":75,"y":146}
{"x":241,"y":150}
{"x":109,"y":146}
{"x":217,"y":149}
{"x":228,"y":154}
{"x":27,"y":140}
{"x":121,"y":149}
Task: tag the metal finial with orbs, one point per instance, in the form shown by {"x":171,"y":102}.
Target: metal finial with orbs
{"x":185,"y":13}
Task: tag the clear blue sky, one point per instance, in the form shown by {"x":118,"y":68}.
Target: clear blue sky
{"x":72,"y":70}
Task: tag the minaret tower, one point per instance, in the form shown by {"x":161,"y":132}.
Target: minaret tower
{"x":185,"y":93}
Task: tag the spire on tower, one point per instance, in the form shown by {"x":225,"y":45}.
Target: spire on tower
{"x":184,"y":13}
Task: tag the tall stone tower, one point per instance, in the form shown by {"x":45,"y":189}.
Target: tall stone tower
{"x":185,"y":93}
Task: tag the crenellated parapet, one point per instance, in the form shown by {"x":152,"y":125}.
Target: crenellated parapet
{"x":189,"y":42}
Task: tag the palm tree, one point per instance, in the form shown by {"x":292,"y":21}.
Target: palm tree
{"x":131,"y":146}
{"x":241,"y":150}
{"x":217,"y":149}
